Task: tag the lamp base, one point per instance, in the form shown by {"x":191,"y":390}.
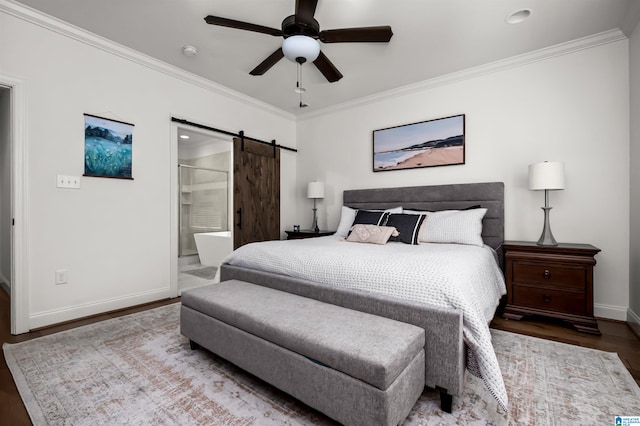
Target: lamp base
{"x":314,"y":226}
{"x":546,"y":239}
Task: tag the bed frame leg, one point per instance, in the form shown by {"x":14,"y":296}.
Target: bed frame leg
{"x":446,"y":401}
{"x":193,"y":345}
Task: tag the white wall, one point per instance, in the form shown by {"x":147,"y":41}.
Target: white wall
{"x":5,"y":186}
{"x":634,"y":257}
{"x":112,"y":235}
{"x":572,"y":108}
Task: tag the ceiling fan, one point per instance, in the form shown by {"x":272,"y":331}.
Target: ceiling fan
{"x":301,"y":27}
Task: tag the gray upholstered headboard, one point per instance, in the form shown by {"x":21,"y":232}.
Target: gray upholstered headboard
{"x":439,"y":197}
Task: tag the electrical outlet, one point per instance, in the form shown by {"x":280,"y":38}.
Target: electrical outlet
{"x":61,"y":276}
{"x":64,"y":181}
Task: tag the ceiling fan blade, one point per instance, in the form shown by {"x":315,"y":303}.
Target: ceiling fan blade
{"x":354,"y":35}
{"x":305,"y":9}
{"x":268,"y":63}
{"x":326,"y":67}
{"x":232,"y":23}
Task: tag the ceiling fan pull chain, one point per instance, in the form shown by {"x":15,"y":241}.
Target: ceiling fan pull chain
{"x":299,"y":85}
{"x":299,"y":88}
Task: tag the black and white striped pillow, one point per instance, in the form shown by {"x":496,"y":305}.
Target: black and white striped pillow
{"x":368,"y":217}
{"x":407,"y":225}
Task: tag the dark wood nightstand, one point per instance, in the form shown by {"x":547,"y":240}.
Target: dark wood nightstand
{"x":307,"y":233}
{"x":551,"y":281}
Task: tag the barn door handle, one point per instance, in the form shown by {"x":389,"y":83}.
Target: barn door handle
{"x":239,"y":212}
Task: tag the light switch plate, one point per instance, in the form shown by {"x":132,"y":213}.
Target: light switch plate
{"x":71,"y":182}
{"x":61,"y":276}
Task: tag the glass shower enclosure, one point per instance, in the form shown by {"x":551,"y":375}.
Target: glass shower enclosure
{"x":204,"y":204}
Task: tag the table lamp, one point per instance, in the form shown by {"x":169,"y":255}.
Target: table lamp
{"x":315,"y":190}
{"x":550,"y":177}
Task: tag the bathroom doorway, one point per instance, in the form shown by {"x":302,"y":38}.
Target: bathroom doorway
{"x":6,"y":214}
{"x":204,"y":206}
{"x":13,"y":203}
{"x":205,"y":167}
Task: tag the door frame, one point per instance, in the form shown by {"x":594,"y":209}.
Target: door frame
{"x":174,"y":206}
{"x":19,"y":202}
{"x":175,"y":201}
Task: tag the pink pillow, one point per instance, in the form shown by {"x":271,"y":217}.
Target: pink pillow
{"x":372,"y":234}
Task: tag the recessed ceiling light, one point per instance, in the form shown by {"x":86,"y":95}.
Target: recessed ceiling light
{"x":518,"y":16}
{"x":184,"y":137}
{"x":189,"y":51}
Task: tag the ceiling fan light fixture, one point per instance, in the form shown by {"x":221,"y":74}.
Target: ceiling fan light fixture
{"x":299,"y":46}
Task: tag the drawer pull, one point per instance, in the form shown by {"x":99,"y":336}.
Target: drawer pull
{"x":546,"y":298}
{"x":546,"y":274}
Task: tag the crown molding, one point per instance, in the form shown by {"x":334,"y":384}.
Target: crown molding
{"x":28,"y":14}
{"x":11,"y":7}
{"x":561,"y":49}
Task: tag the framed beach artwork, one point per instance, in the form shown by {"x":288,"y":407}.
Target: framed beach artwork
{"x":438,"y":142}
{"x":107,"y":147}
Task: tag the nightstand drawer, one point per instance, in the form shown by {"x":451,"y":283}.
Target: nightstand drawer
{"x":553,"y":281}
{"x":550,"y":274}
{"x":544,"y":298}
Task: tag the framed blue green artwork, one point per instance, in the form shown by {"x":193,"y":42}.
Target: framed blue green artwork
{"x":107,"y":147}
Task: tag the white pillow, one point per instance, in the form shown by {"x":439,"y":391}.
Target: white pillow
{"x":453,"y":226}
{"x":348,"y":215}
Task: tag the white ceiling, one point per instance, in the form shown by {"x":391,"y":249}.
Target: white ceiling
{"x":431,"y":38}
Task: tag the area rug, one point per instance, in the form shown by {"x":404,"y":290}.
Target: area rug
{"x":138,"y":369}
{"x":208,"y":272}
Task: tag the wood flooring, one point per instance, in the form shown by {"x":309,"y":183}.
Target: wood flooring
{"x":616,"y":337}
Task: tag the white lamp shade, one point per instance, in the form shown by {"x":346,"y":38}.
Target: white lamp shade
{"x":547,"y":175}
{"x":315,"y":190}
{"x":300,"y":47}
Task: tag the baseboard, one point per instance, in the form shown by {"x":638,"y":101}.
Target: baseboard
{"x":633,"y":320}
{"x":610,"y":312}
{"x":43,"y":319}
{"x":5,"y":284}
{"x":4,"y":280}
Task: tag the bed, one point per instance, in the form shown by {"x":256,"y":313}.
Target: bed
{"x":455,"y":322}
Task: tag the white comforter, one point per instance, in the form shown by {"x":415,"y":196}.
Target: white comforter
{"x":445,"y":275}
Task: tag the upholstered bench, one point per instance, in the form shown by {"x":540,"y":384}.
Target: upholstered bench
{"x":357,"y":368}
